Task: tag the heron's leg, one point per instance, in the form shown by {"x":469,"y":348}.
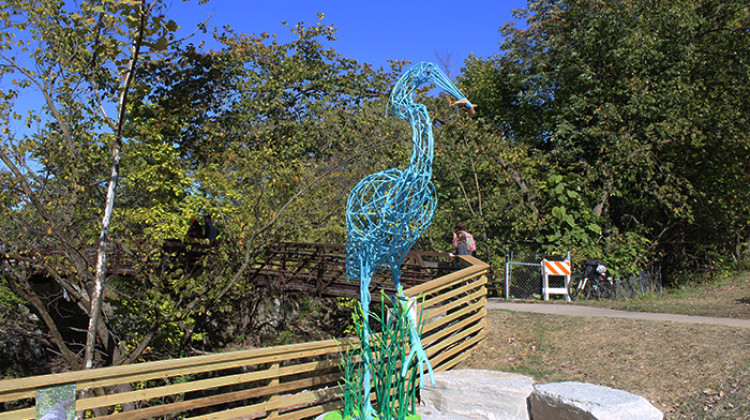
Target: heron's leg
{"x":365,"y":275}
{"x":416,"y":341}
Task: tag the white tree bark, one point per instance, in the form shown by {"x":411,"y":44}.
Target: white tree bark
{"x":101,"y":260}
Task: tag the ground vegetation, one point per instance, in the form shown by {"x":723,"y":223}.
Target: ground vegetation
{"x":689,"y":371}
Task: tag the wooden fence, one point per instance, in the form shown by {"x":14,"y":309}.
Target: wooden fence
{"x":285,"y":382}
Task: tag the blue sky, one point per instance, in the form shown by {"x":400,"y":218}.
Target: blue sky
{"x":370,"y":31}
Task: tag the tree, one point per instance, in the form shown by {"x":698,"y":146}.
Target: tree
{"x":629,"y":102}
{"x":256,"y":134}
{"x":81,"y":62}
{"x":266,"y":137}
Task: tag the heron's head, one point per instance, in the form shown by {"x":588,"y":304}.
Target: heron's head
{"x":420,"y":74}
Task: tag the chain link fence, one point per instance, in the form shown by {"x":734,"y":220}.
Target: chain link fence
{"x":523,"y":275}
{"x":636,"y":286}
{"x":523,"y":278}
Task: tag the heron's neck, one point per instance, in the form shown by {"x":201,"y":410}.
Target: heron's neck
{"x":422,"y":153}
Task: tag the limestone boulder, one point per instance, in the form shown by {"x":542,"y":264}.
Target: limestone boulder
{"x":477,"y":394}
{"x":582,"y":401}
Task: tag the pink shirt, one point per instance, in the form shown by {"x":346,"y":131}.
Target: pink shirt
{"x":471,"y":245}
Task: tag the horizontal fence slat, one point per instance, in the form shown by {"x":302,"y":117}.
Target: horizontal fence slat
{"x":184,"y":406}
{"x":303,"y":398}
{"x":476,"y":283}
{"x":197,"y":385}
{"x":435,"y":352}
{"x":440,"y":323}
{"x":449,"y":337}
{"x":128,"y":371}
{"x":456,"y":338}
{"x":22,"y":414}
{"x":465,"y":273}
{"x":449,"y":354}
{"x":82,"y":376}
{"x":443,"y":314}
{"x":311,"y":411}
{"x":18,"y":395}
{"x":439,"y":306}
{"x":476,"y":296}
{"x":200,"y":366}
{"x":457,"y":354}
{"x":446,"y":332}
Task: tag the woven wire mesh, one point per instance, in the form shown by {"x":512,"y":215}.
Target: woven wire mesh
{"x":524,"y":275}
{"x":387,"y":212}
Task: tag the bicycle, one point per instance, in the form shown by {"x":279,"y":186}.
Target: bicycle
{"x":592,"y":284}
{"x":648,"y":280}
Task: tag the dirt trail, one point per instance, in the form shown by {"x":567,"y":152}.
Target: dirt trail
{"x":579,"y":310}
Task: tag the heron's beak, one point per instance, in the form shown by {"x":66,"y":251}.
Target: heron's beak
{"x":468,"y":104}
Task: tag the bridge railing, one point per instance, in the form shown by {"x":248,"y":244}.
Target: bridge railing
{"x":310,"y":267}
{"x":320,"y":268}
{"x":284,"y":382}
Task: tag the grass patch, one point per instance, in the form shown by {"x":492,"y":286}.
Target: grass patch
{"x":688,"y":371}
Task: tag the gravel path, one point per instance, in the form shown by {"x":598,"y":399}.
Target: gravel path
{"x":579,"y":310}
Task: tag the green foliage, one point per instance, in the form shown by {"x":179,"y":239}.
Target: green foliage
{"x":268,"y":131}
{"x":263,"y":136}
{"x":78,"y":61}
{"x":156,"y":203}
{"x":9,"y":301}
{"x":349,"y":305}
{"x":635,"y":109}
{"x":567,"y":224}
{"x":253,"y":135}
{"x":395,"y":394}
{"x":613,"y":130}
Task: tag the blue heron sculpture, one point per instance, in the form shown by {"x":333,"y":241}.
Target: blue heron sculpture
{"x":389,"y":210}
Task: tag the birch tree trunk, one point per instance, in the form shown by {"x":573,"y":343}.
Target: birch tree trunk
{"x":101,"y":259}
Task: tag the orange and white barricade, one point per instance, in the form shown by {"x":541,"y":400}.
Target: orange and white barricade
{"x":555,"y":268}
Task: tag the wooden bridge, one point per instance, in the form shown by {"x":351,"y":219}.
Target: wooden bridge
{"x":320,"y":268}
{"x":314,"y":268}
{"x":286,"y":382}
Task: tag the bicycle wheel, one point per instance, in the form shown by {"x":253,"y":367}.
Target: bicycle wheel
{"x":606,"y":291}
{"x":576,"y":287}
{"x":594,"y":290}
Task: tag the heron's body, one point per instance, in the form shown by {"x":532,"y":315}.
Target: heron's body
{"x":379,"y":204}
{"x":389,"y":210}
